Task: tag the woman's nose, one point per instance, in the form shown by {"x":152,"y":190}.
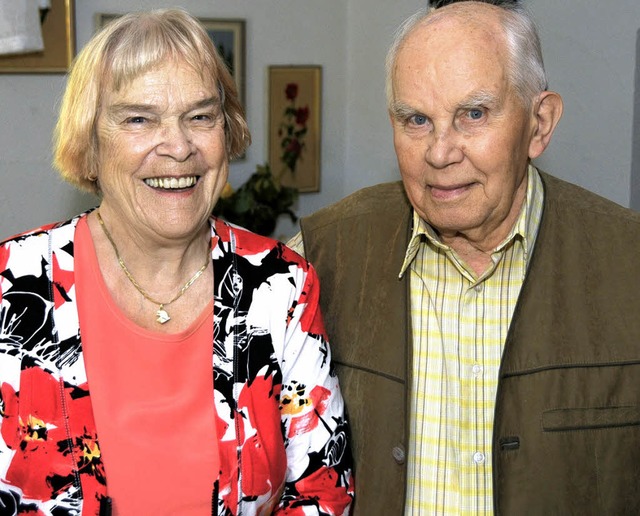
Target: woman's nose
{"x":176,"y":142}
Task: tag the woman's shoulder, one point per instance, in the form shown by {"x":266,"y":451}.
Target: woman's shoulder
{"x":36,"y":234}
{"x":249,"y":244}
{"x":31,"y":251}
{"x":31,"y":234}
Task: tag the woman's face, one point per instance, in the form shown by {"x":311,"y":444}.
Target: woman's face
{"x":162,"y":153}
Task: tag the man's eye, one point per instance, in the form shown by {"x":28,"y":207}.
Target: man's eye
{"x":418,"y":120}
{"x":475,"y":114}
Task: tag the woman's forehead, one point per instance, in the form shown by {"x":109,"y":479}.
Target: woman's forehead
{"x":163,"y":74}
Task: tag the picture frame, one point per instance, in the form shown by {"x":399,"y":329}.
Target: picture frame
{"x":58,"y":35}
{"x":295,"y":125}
{"x":228,"y":36}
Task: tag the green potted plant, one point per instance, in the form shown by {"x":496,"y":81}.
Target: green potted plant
{"x":258,"y":203}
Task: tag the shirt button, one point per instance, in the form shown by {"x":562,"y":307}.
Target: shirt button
{"x":477,"y":369}
{"x":478,"y":288}
{"x":478,"y":458}
{"x":398,"y":454}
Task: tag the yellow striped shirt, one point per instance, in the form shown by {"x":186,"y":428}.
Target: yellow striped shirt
{"x":459,"y":324}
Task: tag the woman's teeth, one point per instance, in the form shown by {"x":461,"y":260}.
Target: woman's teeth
{"x":171,"y":183}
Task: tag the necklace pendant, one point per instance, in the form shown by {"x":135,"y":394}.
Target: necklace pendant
{"x":162,"y":315}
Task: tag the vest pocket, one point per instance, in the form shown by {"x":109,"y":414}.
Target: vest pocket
{"x":559,"y":420}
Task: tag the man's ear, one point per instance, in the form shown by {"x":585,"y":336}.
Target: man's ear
{"x":547,"y":113}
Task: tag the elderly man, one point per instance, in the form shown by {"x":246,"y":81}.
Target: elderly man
{"x":483,"y":314}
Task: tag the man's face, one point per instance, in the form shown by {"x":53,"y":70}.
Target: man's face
{"x":461,"y":134}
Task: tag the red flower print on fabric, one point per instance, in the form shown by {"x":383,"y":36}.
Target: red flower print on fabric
{"x":34,"y":427}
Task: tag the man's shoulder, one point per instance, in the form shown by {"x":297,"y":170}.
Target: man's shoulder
{"x":383,"y":200}
{"x":568,"y":199}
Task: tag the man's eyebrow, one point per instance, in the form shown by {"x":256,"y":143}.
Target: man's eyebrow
{"x":402,"y":111}
{"x":479,"y":99}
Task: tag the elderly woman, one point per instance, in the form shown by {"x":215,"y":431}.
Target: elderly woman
{"x":154,"y":360}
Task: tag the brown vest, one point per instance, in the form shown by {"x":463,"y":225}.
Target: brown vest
{"x":567,"y":419}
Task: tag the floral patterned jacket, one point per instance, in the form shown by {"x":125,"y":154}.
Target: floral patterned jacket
{"x":283,"y":438}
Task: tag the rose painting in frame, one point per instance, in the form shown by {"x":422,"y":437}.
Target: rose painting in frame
{"x":294,"y":125}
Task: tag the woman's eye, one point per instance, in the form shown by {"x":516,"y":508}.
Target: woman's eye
{"x":135,"y":120}
{"x":206,"y":119}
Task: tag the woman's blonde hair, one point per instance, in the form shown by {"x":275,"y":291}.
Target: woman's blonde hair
{"x":123,"y":50}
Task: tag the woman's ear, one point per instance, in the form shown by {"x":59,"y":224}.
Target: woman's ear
{"x":547,"y":113}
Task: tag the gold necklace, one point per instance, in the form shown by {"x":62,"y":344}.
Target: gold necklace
{"x":161,"y":314}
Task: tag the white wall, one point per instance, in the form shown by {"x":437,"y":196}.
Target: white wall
{"x":370,"y":154}
{"x":590,"y":53}
{"x":278,"y":32}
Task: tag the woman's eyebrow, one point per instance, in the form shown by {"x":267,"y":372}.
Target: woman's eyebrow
{"x":205,"y":103}
{"x":120,"y":107}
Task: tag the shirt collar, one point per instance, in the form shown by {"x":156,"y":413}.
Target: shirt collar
{"x":526,"y":226}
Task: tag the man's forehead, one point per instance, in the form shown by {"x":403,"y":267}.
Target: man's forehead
{"x":452,"y":46}
{"x":453,"y":50}
{"x":454,"y":75}
{"x":460,"y":22}
{"x":468,"y":21}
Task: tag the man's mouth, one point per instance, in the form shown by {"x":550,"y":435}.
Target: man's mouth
{"x":449,"y":191}
{"x":171,"y":183}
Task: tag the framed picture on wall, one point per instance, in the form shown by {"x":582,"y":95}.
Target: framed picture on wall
{"x":58,"y":38}
{"x":228,"y":36}
{"x":229,"y":39}
{"x":294,"y":125}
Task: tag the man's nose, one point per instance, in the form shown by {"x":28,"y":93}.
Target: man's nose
{"x":443,"y":148}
